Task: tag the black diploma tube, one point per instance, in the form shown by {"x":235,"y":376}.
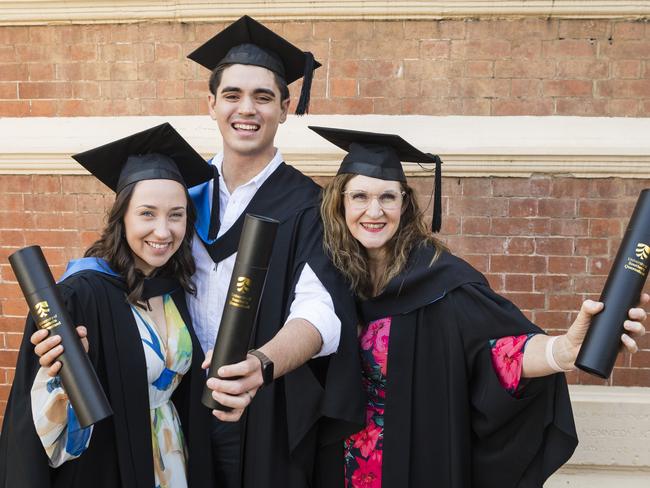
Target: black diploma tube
{"x":48,"y":311}
{"x":622,"y":291}
{"x":243,"y":299}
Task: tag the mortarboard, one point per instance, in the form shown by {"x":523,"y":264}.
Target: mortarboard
{"x":156,"y":153}
{"x":380,"y":156}
{"x":246,"y":41}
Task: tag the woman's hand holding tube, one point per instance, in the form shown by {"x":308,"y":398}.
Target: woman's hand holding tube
{"x":49,"y":348}
{"x":567,"y":346}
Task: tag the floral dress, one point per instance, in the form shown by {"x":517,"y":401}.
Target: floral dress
{"x":63,"y":438}
{"x":363,"y":451}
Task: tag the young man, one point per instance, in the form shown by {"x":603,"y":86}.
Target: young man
{"x":306,"y":313}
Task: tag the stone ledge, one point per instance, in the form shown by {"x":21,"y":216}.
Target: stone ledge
{"x":33,"y":12}
{"x":470,"y":146}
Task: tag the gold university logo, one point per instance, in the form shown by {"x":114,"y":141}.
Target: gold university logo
{"x":42,"y":309}
{"x":243,"y":284}
{"x":642,"y":251}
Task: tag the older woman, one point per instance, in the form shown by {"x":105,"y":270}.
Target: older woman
{"x":462,"y":389}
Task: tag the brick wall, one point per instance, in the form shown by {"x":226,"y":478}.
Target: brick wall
{"x":463,"y":67}
{"x":544,"y":242}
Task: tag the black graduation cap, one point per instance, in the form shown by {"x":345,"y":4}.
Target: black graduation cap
{"x":380,"y":156}
{"x":246,"y":41}
{"x":156,"y":153}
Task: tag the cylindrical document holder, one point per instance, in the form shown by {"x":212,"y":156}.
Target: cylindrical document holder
{"x":622,"y":291}
{"x":243,"y":299}
{"x":48,"y":311}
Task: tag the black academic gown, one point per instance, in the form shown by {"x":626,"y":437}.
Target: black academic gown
{"x":282,"y":426}
{"x":448,"y":421}
{"x":119,"y":453}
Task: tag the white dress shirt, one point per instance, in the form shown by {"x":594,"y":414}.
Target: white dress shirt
{"x":312,"y":302}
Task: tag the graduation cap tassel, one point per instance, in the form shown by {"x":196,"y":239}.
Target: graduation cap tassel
{"x":303,"y":102}
{"x":436,"y":221}
{"x":213,"y":230}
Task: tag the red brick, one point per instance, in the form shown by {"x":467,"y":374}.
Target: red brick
{"x":526,"y":88}
{"x":41,"y":72}
{"x":354,"y":30}
{"x":43,"y":108}
{"x":592,"y":247}
{"x":434,"y":89}
{"x":581,"y":107}
{"x":579,"y":69}
{"x":517,"y":226}
{"x":553,"y":207}
{"x":85,"y":89}
{"x":388,"y":49}
{"x":627,"y":30}
{"x":528,"y":49}
{"x":476,"y":244}
{"x":631,"y":377}
{"x":628,"y":68}
{"x":552,"y":320}
{"x":521,"y":187}
{"x":522,"y":107}
{"x":124,"y":71}
{"x":15,"y":307}
{"x":589,"y":284}
{"x":480,"y":87}
{"x":8,"y":90}
{"x":567,"y":265}
{"x":520,"y":245}
{"x":526,"y":301}
{"x":15,"y":220}
{"x":598,"y":266}
{"x":564,"y":302}
{"x":8,"y":358}
{"x":581,"y":29}
{"x":604,"y":208}
{"x":395,"y":88}
{"x":14,"y":35}
{"x":14,"y":108}
{"x":12,"y":324}
{"x":624,"y":108}
{"x":434,"y":49}
{"x":83,"y":52}
{"x":623,"y":88}
{"x":569,"y":187}
{"x":46,"y":184}
{"x":52,"y":237}
{"x":523,"y":68}
{"x":553,"y":283}
{"x":469,"y":206}
{"x":388,"y":106}
{"x":626,"y":50}
{"x":14,"y":238}
{"x":567,"y":88}
{"x":522,"y":207}
{"x":496,"y":281}
{"x":518,"y":282}
{"x":472,"y":106}
{"x":568,"y":48}
{"x":517,"y":264}
{"x":554,"y":246}
{"x":167,"y":51}
{"x":480,"y":49}
{"x":173,"y":107}
{"x":478,"y":261}
{"x":83,"y":71}
{"x":475,"y":225}
{"x":12,"y":341}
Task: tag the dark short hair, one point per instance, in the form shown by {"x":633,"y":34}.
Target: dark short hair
{"x":215,"y":81}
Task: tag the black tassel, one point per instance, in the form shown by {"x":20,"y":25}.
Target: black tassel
{"x":213,"y":231}
{"x":436,"y":221}
{"x":303,"y":101}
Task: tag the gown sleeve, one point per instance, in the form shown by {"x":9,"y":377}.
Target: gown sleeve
{"x":520,"y":440}
{"x":55,"y":421}
{"x":507,"y":355}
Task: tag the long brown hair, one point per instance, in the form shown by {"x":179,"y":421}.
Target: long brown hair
{"x":113,"y":247}
{"x":351,"y":258}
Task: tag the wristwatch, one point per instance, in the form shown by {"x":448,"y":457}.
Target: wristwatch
{"x":267,"y":366}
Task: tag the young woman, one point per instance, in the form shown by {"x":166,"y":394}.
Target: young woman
{"x":461,"y":390}
{"x":129,"y":295}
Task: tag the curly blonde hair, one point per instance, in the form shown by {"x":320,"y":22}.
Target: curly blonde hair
{"x":351,"y":258}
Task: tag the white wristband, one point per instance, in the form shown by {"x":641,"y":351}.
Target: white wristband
{"x":550,"y":359}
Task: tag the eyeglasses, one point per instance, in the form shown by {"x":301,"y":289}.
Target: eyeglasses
{"x":388,"y":200}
